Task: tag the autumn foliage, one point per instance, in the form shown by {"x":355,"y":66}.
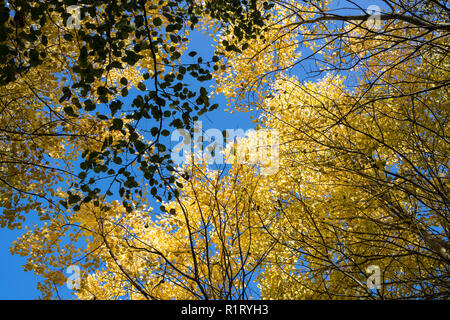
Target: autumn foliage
{"x":362,"y":114}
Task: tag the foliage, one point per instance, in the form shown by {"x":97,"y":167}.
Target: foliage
{"x":363,"y":150}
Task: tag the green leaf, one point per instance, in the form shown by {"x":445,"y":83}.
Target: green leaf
{"x":69,"y":111}
{"x":123,"y":81}
{"x":117,"y":124}
{"x":141,"y":86}
{"x":157,"y":21}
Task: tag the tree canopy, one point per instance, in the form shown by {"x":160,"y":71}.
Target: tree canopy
{"x":359,"y":101}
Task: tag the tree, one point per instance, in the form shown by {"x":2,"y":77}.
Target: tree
{"x":206,"y":244}
{"x":39,"y":140}
{"x":66,"y":70}
{"x":364,"y":150}
{"x":358,"y":192}
{"x":78,"y":61}
{"x":363,"y":177}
